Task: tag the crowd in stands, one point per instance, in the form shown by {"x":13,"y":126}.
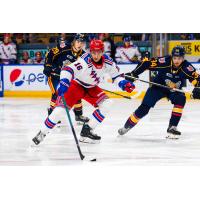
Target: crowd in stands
{"x":120,"y":47}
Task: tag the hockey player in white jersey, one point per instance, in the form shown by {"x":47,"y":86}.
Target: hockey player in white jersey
{"x":79,"y":80}
{"x":127,"y":53}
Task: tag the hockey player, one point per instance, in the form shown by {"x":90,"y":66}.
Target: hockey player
{"x":172,"y":72}
{"x":80,"y":80}
{"x":127,"y":53}
{"x":58,"y":56}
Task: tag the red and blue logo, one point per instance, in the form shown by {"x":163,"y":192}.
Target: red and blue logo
{"x":16,"y":77}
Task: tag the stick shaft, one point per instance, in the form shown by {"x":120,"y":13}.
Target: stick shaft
{"x":156,"y":84}
{"x":121,"y":95}
{"x":73,"y":130}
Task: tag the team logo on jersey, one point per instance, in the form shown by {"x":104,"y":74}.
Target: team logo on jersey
{"x":16,"y":77}
{"x":190,"y":68}
{"x":169,"y":75}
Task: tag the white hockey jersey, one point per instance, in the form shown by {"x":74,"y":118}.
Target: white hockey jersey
{"x":86,"y":74}
{"x":126,"y":54}
{"x":7,"y":53}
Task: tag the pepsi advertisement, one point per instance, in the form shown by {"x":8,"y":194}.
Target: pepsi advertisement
{"x":24,"y":78}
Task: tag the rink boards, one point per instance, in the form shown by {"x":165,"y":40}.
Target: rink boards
{"x":29,"y":81}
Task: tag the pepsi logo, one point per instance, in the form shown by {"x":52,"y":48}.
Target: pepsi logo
{"x":16,"y":77}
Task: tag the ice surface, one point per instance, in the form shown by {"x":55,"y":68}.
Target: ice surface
{"x":20,"y":120}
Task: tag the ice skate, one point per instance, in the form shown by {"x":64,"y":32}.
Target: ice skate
{"x":123,"y":131}
{"x":87,"y":135}
{"x":38,"y":138}
{"x":80,"y":119}
{"x":173,"y":133}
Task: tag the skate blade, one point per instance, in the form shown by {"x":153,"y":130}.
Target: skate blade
{"x":88,"y":140}
{"x":33,"y":144}
{"x":172,"y":136}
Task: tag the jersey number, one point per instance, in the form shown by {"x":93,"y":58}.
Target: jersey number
{"x":78,"y":66}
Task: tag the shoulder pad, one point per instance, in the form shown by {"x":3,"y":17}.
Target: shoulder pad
{"x":55,"y":50}
{"x":188,"y":66}
{"x":108,"y":59}
{"x":164,"y":59}
{"x":86,"y":57}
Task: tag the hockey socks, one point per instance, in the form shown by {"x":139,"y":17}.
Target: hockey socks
{"x":97,"y":118}
{"x":78,"y":109}
{"x":141,"y":111}
{"x":176,"y":115}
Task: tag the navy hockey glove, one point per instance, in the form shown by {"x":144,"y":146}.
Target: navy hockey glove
{"x":132,"y":75}
{"x":196,"y":93}
{"x":126,"y":86}
{"x":64,"y":85}
{"x":47,"y":71}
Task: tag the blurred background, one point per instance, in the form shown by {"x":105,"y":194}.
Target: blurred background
{"x":35,"y":45}
{"x":22,"y":56}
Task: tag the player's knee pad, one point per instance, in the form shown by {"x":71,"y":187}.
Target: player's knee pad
{"x":57,"y":114}
{"x":142,"y":110}
{"x":105,"y":105}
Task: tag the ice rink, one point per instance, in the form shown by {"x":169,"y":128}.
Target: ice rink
{"x":20,"y":120}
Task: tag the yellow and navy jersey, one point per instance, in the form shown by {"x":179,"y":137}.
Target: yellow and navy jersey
{"x":167,"y":72}
{"x":57,"y":57}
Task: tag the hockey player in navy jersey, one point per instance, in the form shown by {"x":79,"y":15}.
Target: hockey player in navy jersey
{"x":172,"y":71}
{"x":79,"y":80}
{"x":64,"y":53}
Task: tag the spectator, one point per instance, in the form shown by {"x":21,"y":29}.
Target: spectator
{"x":109,"y":45}
{"x":25,"y":38}
{"x":38,"y":58}
{"x":25,"y":58}
{"x":63,"y":36}
{"x":7,"y":51}
{"x":127,"y":53}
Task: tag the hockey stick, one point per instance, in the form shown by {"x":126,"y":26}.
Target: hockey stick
{"x":156,"y":84}
{"x":74,"y":133}
{"x":121,"y":95}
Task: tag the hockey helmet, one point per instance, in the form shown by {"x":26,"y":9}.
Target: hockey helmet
{"x":126,"y":38}
{"x":96,"y":45}
{"x":61,"y":43}
{"x":80,"y":37}
{"x":178,"y":51}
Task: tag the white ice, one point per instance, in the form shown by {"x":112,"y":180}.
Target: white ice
{"x":21,"y":119}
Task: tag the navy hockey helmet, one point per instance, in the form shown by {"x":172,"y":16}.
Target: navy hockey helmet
{"x":79,"y":36}
{"x":146,"y":55}
{"x":127,"y":38}
{"x":178,"y":51}
{"x":61,"y":43}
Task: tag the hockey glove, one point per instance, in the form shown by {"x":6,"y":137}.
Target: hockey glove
{"x":132,"y":75}
{"x":47,"y":71}
{"x":64,"y":85}
{"x":196,"y":93}
{"x":126,"y":86}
